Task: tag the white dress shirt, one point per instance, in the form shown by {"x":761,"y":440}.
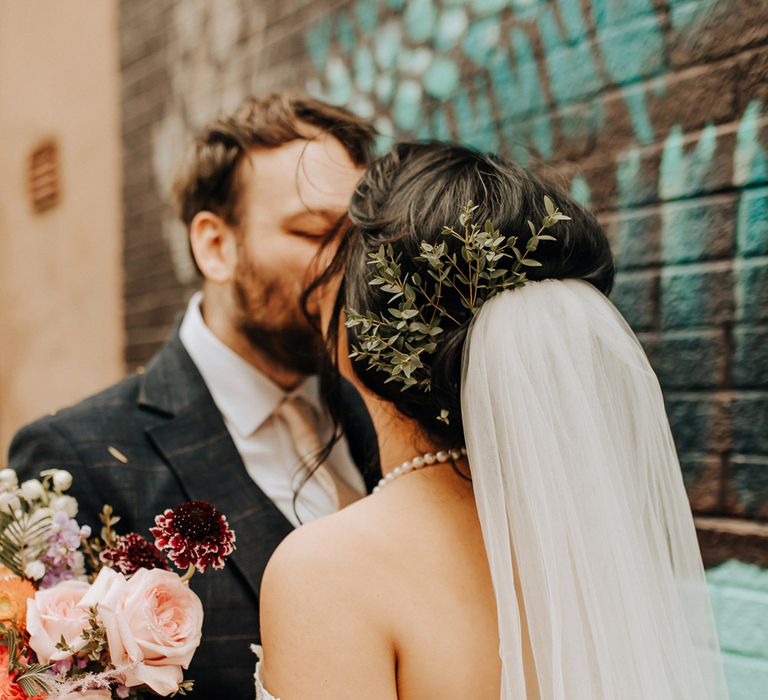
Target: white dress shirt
{"x":247,"y":400}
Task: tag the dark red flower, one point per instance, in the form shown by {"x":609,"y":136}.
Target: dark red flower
{"x":131,"y":553}
{"x":195,"y":534}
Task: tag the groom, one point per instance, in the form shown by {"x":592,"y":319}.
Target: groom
{"x":228,"y":410}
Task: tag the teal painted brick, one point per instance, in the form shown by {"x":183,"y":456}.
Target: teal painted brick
{"x":750,"y":357}
{"x":691,"y":299}
{"x":750,"y":159}
{"x":481,"y":40}
{"x":561,"y":25}
{"x":515,"y":79}
{"x":367,"y":15}
{"x":752,"y":223}
{"x":636,"y":238}
{"x":688,"y":163}
{"x":751,"y":290}
{"x":636,"y":177}
{"x":739,"y":594}
{"x":318,"y":42}
{"x":635,"y":294}
{"x":750,"y":423}
{"x":695,"y":360}
{"x":441,"y":78}
{"x":387,"y":43}
{"x":419,"y":18}
{"x":414,"y":61}
{"x":339,"y":81}
{"x":702,"y":229}
{"x":535,"y":134}
{"x":345,"y":32}
{"x":699,"y":423}
{"x":609,"y":13}
{"x":748,"y":484}
{"x":632,"y":52}
{"x":406,"y":110}
{"x":451,"y":25}
{"x":365,"y":69}
{"x":473,"y":118}
{"x":573,"y":74}
{"x":736,"y":612}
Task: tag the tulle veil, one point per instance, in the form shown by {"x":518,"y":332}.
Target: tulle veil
{"x":589,"y":534}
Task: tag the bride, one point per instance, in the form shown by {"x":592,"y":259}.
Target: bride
{"x":531,"y":538}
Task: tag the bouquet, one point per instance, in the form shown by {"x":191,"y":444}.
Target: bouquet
{"x":98,"y":617}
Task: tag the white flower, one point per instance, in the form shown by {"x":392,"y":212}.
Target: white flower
{"x":34,"y":570}
{"x":66,"y":504}
{"x":32,"y":490}
{"x":9,"y":502}
{"x":78,"y":563}
{"x":8,"y":480}
{"x":62,"y":480}
{"x":39,"y":515}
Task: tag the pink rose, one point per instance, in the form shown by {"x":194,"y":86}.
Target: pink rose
{"x":153,"y":623}
{"x":55,"y":613}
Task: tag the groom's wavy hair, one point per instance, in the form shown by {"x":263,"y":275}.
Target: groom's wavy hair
{"x":407,"y":197}
{"x":209,"y":180}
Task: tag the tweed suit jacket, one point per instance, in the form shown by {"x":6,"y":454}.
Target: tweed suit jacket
{"x":152,"y":441}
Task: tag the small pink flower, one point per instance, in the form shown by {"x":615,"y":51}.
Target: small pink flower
{"x":55,"y":613}
{"x":61,"y":668}
{"x":195,"y":534}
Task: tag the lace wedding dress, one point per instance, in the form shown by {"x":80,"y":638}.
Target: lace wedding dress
{"x":261,"y":691}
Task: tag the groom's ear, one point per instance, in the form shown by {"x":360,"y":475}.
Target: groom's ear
{"x":214,"y":246}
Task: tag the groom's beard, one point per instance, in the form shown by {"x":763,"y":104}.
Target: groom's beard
{"x":271,"y":319}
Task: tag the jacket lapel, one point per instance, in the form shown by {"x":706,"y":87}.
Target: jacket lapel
{"x":198,"y":448}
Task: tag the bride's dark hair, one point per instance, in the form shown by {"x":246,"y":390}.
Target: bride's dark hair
{"x":407,"y":197}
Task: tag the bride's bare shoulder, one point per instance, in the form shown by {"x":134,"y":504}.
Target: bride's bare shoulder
{"x":371,"y":544}
{"x":324,"y":630}
{"x":340,"y":549}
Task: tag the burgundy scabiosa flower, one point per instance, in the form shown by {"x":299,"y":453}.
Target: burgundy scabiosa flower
{"x":132,"y":552}
{"x":194,"y":534}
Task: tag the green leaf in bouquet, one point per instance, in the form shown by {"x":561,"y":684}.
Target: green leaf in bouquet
{"x":35,"y":680}
{"x":185,"y":687}
{"x":23,"y":538}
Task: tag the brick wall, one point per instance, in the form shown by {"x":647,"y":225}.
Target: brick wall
{"x":653,"y":112}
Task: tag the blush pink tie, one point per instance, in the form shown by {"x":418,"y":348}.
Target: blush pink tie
{"x":301,"y":419}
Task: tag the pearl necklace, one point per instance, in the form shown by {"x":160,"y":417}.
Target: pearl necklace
{"x":420,"y":462}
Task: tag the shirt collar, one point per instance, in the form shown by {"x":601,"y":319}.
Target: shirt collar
{"x":243,"y":394}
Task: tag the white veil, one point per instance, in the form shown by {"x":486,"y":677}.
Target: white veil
{"x":584,"y":515}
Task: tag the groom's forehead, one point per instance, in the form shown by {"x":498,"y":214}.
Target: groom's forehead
{"x":301,"y":178}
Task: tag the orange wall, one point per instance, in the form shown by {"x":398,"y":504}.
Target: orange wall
{"x":61,"y":324}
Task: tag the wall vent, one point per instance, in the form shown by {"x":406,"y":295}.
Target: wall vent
{"x":43,"y":177}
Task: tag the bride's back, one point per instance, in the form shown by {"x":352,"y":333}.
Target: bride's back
{"x":408,"y":566}
{"x":439,"y":591}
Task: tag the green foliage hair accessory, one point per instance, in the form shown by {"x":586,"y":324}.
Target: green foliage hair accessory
{"x":476,"y":262}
